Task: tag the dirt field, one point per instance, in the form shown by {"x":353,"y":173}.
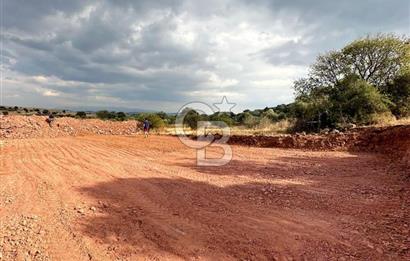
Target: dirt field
{"x":130,"y":198}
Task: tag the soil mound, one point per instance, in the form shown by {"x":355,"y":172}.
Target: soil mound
{"x":393,"y":141}
{"x":18,"y":127}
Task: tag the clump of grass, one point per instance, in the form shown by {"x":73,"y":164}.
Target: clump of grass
{"x":387,"y":119}
{"x":264,"y":128}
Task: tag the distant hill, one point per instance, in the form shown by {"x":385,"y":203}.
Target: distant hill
{"x":100,"y":108}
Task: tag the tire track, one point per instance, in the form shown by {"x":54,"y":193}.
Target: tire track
{"x":114,"y":197}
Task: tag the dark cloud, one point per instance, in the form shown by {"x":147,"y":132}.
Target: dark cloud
{"x":366,"y":14}
{"x":28,"y":15}
{"x":289,"y":53}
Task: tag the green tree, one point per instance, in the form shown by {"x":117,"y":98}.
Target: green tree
{"x":121,"y":116}
{"x":378,"y":60}
{"x":222,"y":116}
{"x":105,"y":115}
{"x":191,"y":119}
{"x":364,"y":79}
{"x":355,"y":100}
{"x":271,"y":115}
{"x":249,"y":120}
{"x":312,"y":112}
{"x":81,"y":114}
{"x":156,"y":121}
{"x":399,"y":93}
{"x":162,"y":115}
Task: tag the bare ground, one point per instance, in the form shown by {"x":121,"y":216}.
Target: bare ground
{"x":130,"y":198}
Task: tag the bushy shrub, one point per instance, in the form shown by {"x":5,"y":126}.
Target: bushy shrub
{"x":154,"y":119}
{"x":81,"y":114}
{"x":121,"y":116}
{"x":355,"y":100}
{"x":249,"y":120}
{"x":399,"y":93}
{"x":191,"y":119}
{"x":222,"y":117}
{"x":105,"y":115}
{"x":271,"y":115}
{"x":265,"y":123}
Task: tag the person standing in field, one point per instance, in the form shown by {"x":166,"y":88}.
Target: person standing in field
{"x":50,"y":119}
{"x":146,"y":126}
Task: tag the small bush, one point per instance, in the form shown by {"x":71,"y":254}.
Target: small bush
{"x":358,"y":102}
{"x":81,"y":114}
{"x":106,"y":115}
{"x":223,"y":117}
{"x":264,"y":123}
{"x":121,"y":116}
{"x":191,"y":119}
{"x":155,"y":121}
{"x":249,"y":120}
{"x":382,"y":118}
{"x":399,"y":93}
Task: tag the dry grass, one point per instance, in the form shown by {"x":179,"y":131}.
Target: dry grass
{"x":388,"y":119}
{"x":269,"y":129}
{"x":404,"y":121}
{"x":265,"y":129}
{"x":261,"y":129}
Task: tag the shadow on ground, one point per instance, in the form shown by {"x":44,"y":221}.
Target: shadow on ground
{"x":332,"y":211}
{"x":195,"y":219}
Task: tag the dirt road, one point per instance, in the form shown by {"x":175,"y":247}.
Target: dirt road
{"x":130,"y":198}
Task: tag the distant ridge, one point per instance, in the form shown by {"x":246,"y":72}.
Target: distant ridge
{"x":101,"y":108}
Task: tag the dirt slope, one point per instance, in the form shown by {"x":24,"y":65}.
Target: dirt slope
{"x":18,"y":127}
{"x":391,"y":141}
{"x":130,"y":198}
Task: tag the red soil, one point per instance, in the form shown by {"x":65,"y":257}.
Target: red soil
{"x":18,"y":127}
{"x":130,"y":198}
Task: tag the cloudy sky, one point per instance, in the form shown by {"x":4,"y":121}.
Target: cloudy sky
{"x":158,"y":55}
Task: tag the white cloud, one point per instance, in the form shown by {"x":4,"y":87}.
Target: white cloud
{"x":50,"y":93}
